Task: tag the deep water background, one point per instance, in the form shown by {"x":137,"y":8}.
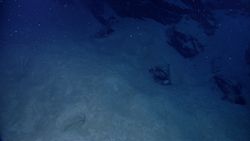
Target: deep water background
{"x":76,"y":70}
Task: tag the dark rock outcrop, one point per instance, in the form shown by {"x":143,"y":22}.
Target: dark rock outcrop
{"x":165,"y":12}
{"x":200,"y":13}
{"x":186,"y":45}
{"x":159,"y":10}
{"x":161,"y":74}
{"x":231,"y":6}
{"x":231,"y":91}
{"x":97,"y":8}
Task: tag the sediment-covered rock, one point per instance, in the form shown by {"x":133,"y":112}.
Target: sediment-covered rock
{"x":161,"y":74}
{"x":161,"y":11}
{"x":230,"y":89}
{"x":186,"y":45}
